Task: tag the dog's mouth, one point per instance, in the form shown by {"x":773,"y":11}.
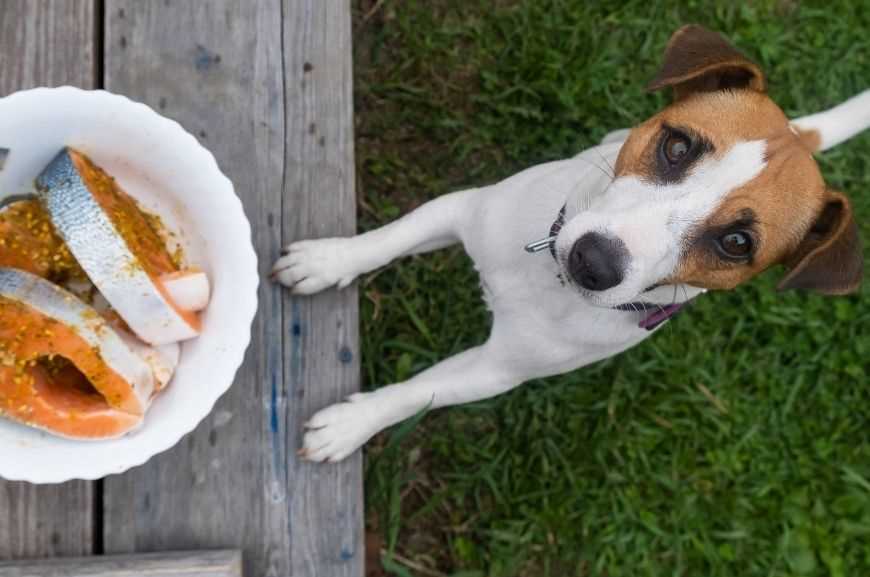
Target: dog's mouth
{"x":653,"y":314}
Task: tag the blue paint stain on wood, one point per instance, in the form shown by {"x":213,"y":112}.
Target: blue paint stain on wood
{"x":296,"y":349}
{"x":345,"y":355}
{"x":273,"y":422}
{"x":205,"y":58}
{"x":278,"y":489}
{"x":346,"y":554}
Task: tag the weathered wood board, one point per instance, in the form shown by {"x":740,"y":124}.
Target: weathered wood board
{"x":226,"y":563}
{"x":266,"y":86}
{"x":46,"y":43}
{"x":321,"y":342}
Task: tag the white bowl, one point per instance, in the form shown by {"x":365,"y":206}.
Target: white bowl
{"x":165,"y":168}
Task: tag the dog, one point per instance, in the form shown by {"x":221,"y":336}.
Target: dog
{"x":578,"y":264}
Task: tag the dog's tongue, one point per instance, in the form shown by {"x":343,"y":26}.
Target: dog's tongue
{"x":659,"y":316}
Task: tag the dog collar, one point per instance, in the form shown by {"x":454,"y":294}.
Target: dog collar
{"x":549,"y":242}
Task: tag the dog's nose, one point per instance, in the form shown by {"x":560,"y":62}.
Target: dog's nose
{"x":596,"y":262}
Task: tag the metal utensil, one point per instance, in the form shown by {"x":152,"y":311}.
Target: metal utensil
{"x":6,"y":201}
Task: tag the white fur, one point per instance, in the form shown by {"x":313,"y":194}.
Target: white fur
{"x":540,"y":326}
{"x":841,"y":122}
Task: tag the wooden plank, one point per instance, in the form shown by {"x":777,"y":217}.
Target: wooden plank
{"x":216,"y":66}
{"x":181,"y":564}
{"x":321,"y":344}
{"x":46,"y":520}
{"x":46,"y":43}
{"x":213,"y":65}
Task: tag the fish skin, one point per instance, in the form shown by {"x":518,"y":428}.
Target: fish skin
{"x":105,"y":257}
{"x":54,"y":302}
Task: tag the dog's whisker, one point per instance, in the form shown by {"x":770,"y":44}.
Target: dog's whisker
{"x":604,"y":172}
{"x":607,"y":162}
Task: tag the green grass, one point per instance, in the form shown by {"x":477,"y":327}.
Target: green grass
{"x":735,"y":442}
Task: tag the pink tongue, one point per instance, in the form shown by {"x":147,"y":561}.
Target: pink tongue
{"x":659,"y":316}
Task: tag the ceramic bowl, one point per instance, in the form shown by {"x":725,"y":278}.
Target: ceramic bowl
{"x":167,"y":170}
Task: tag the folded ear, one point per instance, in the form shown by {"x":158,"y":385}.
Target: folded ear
{"x":829,"y":259}
{"x":698,"y":60}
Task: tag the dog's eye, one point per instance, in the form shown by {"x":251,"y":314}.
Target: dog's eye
{"x":676,"y":152}
{"x":676,"y":147}
{"x":737,"y":244}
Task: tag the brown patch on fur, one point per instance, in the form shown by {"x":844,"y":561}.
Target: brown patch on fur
{"x":784,"y":199}
{"x":699,"y":60}
{"x":724,"y":118}
{"x":811,"y":139}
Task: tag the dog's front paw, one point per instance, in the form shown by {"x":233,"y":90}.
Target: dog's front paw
{"x":311,"y":266}
{"x":339,"y":430}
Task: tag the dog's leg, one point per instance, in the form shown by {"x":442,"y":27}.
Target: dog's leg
{"x":838,"y":124}
{"x":338,"y":430}
{"x":311,"y":266}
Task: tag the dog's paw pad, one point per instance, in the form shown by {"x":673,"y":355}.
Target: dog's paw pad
{"x":338,"y":430}
{"x":311,"y":266}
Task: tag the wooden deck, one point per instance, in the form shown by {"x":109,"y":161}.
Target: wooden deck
{"x":267,"y":86}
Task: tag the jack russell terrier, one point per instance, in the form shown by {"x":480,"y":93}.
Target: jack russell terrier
{"x":706,"y":194}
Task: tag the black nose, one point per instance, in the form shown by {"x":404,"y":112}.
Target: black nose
{"x":596,"y":262}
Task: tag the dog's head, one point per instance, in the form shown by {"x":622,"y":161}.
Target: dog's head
{"x":711,"y":191}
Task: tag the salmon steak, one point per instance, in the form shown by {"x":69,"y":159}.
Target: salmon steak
{"x":117,"y":246}
{"x":29,"y":242}
{"x":63,"y":367}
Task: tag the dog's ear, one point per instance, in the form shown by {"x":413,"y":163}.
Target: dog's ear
{"x":829,"y":259}
{"x":699,"y":60}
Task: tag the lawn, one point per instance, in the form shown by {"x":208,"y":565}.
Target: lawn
{"x":733,"y":443}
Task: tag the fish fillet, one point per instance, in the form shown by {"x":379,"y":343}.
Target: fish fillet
{"x":116,"y":246}
{"x":63,"y":368}
{"x":28,"y":241}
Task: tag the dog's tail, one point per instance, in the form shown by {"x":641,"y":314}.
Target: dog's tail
{"x":827,"y":129}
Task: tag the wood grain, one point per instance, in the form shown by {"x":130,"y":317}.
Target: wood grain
{"x":217,"y":67}
{"x":46,"y":43}
{"x":210,"y":64}
{"x":226,"y":563}
{"x":321,"y":333}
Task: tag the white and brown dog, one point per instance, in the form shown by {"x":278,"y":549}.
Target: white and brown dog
{"x":706,"y":194}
